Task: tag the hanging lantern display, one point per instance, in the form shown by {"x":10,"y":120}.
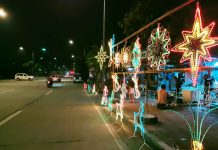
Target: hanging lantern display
{"x":104,"y":99}
{"x":93,"y":89}
{"x":117,"y":60}
{"x":158,"y":48}
{"x":196,"y":44}
{"x":111,"y":49}
{"x":116,"y":82}
{"x":123,"y":88}
{"x":136,"y":87}
{"x":101,"y":57}
{"x":119,"y":108}
{"x":125,"y":56}
{"x":136,"y":52}
{"x":110,"y":101}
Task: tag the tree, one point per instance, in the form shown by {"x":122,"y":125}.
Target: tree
{"x":146,"y":11}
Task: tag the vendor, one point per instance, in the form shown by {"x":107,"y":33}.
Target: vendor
{"x":178,"y":83}
{"x":208,"y":82}
{"x":162,"y":98}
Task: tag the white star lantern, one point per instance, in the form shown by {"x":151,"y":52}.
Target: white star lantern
{"x":101,"y":57}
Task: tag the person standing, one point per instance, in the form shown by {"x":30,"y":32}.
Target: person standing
{"x":178,"y":83}
{"x":208,"y":82}
{"x":131,"y":91}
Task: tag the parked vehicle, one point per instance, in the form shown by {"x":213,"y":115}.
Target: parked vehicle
{"x":23,"y":76}
{"x":55,"y":78}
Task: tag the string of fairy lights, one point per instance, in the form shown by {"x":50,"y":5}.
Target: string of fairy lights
{"x":195,"y":48}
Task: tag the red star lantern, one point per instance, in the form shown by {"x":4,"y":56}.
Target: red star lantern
{"x":196,"y":44}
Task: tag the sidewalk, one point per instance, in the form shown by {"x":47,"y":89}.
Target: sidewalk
{"x":171,"y":131}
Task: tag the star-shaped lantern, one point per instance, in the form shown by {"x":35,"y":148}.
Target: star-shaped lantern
{"x":158,"y":47}
{"x":196,"y":45}
{"x":101,"y":57}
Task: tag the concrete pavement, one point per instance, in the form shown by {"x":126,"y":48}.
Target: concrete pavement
{"x":171,"y":131}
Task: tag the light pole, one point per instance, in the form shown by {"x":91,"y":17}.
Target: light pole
{"x":21,"y":49}
{"x":44,"y":49}
{"x":103,"y":69}
{"x":72,"y":56}
{"x":3,"y":13}
{"x":104,"y":27}
{"x":71,"y":42}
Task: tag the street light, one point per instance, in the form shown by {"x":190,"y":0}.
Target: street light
{"x":71,"y":42}
{"x":44,"y":49}
{"x":21,"y":49}
{"x":3,"y":14}
{"x":72,"y":56}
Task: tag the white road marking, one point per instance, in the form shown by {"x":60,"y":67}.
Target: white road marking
{"x":115,"y":136}
{"x":6,"y":91}
{"x":49,"y":92}
{"x":10,"y":117}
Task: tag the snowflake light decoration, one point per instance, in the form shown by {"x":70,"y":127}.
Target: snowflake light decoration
{"x":117,"y":59}
{"x":158,"y":47}
{"x":101,"y":57}
{"x":136,"y":60}
{"x":111,"y":48}
{"x":196,"y":44}
{"x":125,"y":56}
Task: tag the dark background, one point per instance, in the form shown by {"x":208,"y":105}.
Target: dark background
{"x":34,"y":24}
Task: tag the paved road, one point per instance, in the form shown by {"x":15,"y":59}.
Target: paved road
{"x":34,"y":117}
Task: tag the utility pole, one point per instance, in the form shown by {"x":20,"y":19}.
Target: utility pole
{"x":104,"y":27}
{"x":103,"y":70}
{"x":33,"y":58}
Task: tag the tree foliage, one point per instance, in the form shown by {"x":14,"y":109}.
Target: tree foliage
{"x":146,"y":11}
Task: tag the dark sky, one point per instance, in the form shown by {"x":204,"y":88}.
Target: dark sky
{"x":34,"y":24}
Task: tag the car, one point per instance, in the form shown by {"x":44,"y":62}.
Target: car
{"x":77,"y":78}
{"x":23,"y":76}
{"x":55,"y":78}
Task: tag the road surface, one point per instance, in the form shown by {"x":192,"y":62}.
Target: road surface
{"x":34,"y":117}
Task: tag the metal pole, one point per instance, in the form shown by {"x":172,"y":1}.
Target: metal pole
{"x":103,"y":69}
{"x":33,"y":62}
{"x":104,"y":27}
{"x":33,"y":58}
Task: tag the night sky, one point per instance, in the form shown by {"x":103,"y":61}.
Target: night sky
{"x":34,"y":24}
